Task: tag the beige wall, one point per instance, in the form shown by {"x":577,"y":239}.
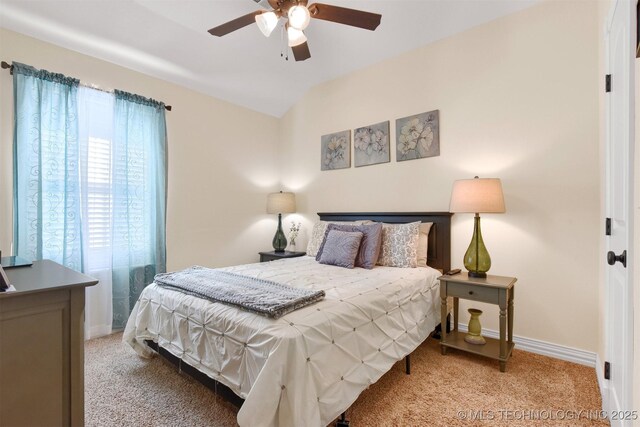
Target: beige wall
{"x":518,"y":100}
{"x":219,"y":173}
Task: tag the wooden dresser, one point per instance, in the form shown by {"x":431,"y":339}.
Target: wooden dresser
{"x":42,"y":346}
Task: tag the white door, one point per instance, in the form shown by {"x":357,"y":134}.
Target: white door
{"x":620,"y":55}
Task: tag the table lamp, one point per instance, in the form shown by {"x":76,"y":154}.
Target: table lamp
{"x":478,"y":195}
{"x":280,"y":203}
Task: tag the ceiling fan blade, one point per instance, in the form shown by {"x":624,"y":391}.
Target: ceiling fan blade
{"x":301,"y":52}
{"x":342,"y":15}
{"x":236,"y":24}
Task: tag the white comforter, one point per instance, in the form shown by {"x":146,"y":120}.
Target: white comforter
{"x":310,"y":365}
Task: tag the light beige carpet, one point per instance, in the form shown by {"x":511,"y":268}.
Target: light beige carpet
{"x":125,"y":390}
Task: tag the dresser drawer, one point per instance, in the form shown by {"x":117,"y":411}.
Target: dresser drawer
{"x":473,"y":292}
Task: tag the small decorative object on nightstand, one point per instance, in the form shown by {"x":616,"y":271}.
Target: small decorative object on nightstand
{"x":474,"y":330}
{"x":279,"y":203}
{"x":478,"y":195}
{"x":491,"y":289}
{"x":294,"y":230}
{"x":275,"y":255}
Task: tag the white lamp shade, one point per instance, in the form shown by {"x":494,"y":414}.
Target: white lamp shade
{"x":267,"y":22}
{"x":296,"y":37}
{"x":299,"y":17}
{"x":478,"y":195}
{"x":281,"y":203}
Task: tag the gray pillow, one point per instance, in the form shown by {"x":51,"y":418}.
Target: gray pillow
{"x":341,"y":248}
{"x":369,"y":247}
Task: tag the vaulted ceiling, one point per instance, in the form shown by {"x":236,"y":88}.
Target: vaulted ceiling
{"x":168,"y":39}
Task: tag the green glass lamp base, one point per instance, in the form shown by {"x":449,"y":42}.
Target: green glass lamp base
{"x":279,"y":240}
{"x":477,"y":260}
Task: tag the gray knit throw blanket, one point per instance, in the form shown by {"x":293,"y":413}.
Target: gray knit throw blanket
{"x":259,"y":296}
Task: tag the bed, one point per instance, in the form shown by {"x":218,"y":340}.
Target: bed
{"x":309,"y":366}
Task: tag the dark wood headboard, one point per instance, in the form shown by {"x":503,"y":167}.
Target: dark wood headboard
{"x":439,"y":252}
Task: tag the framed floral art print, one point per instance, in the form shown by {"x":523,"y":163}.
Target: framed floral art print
{"x":418,"y":136}
{"x":335,"y":152}
{"x":371,"y":144}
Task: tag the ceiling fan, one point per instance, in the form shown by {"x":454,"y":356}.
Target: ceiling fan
{"x":298,"y":15}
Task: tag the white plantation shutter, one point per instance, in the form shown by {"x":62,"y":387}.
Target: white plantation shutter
{"x":98,"y":195}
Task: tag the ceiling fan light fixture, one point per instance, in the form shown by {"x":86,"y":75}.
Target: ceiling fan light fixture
{"x":299,"y":17}
{"x":267,"y":22}
{"x":296,"y":37}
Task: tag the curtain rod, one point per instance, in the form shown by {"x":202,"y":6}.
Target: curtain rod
{"x":5,"y":65}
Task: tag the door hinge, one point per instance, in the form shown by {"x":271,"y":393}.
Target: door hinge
{"x":607,"y":83}
{"x":607,"y":370}
{"x":607,"y":227}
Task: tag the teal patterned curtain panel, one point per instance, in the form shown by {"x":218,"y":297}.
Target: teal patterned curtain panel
{"x":46,"y":176}
{"x":139,"y":199}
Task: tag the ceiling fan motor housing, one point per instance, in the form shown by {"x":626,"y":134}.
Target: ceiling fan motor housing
{"x":263,"y":3}
{"x":281,"y":5}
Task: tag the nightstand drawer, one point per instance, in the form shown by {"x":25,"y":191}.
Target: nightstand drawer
{"x":473,"y":292}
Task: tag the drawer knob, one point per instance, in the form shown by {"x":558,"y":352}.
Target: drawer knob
{"x":470,"y":292}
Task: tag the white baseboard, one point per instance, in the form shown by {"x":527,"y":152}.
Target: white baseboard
{"x":561,"y":352}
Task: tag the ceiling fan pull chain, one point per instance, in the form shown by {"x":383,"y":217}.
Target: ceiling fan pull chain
{"x":284,"y":49}
{"x":281,"y":41}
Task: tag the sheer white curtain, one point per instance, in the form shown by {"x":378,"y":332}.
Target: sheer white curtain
{"x":96,"y":122}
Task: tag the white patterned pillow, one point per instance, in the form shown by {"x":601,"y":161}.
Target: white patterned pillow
{"x":318,"y":233}
{"x":400,"y":245}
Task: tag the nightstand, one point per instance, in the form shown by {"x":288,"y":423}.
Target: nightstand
{"x":273,"y":255}
{"x":493,"y":290}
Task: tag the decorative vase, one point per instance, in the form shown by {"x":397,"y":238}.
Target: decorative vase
{"x":475,"y":329}
{"x":477,"y":259}
{"x":292,"y":246}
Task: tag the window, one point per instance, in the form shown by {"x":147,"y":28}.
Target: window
{"x":90,"y":186}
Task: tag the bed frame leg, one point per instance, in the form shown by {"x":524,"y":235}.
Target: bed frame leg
{"x":342,"y":422}
{"x":407,"y":364}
